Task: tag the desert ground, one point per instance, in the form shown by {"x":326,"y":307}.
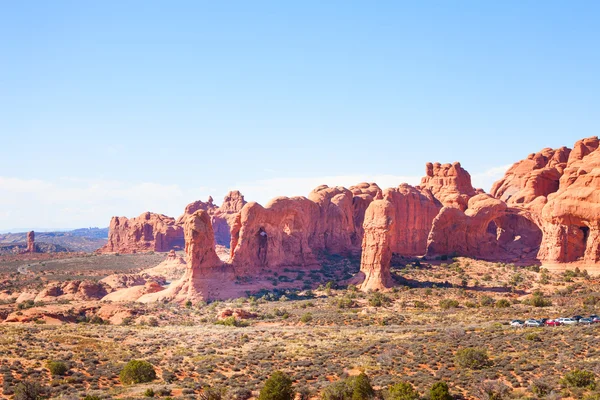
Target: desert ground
{"x":318,"y":333}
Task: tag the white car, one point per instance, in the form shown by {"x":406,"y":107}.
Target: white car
{"x":567,"y":321}
{"x":533,"y":323}
{"x":517,"y":323}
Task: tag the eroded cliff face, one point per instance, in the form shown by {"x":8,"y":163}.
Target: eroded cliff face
{"x":559,"y":189}
{"x":537,"y":175}
{"x":571,"y":217}
{"x":450,"y":184}
{"x":275,"y":236}
{"x":148,"y":232}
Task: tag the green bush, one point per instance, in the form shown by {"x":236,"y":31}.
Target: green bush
{"x":533,"y":337}
{"x":232,"y":321}
{"x":149,"y":392}
{"x":212,"y":393}
{"x":352,"y":388}
{"x":440,"y":391}
{"x":277,"y":387}
{"x":472,"y":358}
{"x":502,"y":303}
{"x":486,"y":301}
{"x":307,"y":317}
{"x":137,"y":371}
{"x":540,"y":388}
{"x":402,"y":391}
{"x":57,"y":367}
{"x":580,"y":379}
{"x":448,"y":303}
{"x":378,"y":299}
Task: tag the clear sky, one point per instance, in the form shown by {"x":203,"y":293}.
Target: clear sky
{"x":118,"y":107}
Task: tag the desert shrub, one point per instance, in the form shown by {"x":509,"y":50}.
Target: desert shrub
{"x":277,"y":387}
{"x":57,"y":367}
{"x":486,"y":301}
{"x":211,"y":393}
{"x":28,"y":390}
{"x":137,"y":371}
{"x":533,"y":337}
{"x":579,"y":378}
{"x":232,"y":321}
{"x":402,"y":391}
{"x":345,"y":302}
{"x":149,"y":392}
{"x":591,"y":300}
{"x":440,"y":391}
{"x":493,"y":390}
{"x":352,"y":388}
{"x":239,"y":394}
{"x":446,"y":304}
{"x":378,"y":299}
{"x":540,"y":388}
{"x":91,"y":397}
{"x":472,"y":358}
{"x":164,"y":391}
{"x":306,"y":317}
{"x":502,"y":303}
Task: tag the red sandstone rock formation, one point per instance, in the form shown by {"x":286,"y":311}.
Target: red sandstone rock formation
{"x":31,"y":242}
{"x":571,"y":218}
{"x":205,"y":273}
{"x":450,"y":184}
{"x":148,"y":232}
{"x":558,"y":187}
{"x":376,"y":250}
{"x":222,"y":218}
{"x":335,"y":231}
{"x":397,"y":224}
{"x":537,"y":175}
{"x":73,"y":290}
{"x":275,"y":236}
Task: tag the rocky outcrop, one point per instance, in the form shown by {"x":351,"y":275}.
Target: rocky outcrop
{"x":205,"y":273}
{"x":450,"y":184}
{"x":537,"y":175}
{"x":148,"y":232}
{"x":222,"y":218}
{"x":559,"y":190}
{"x":276,"y":236}
{"x":73,"y":290}
{"x":399,"y":223}
{"x":487,"y":230}
{"x":132,"y":293}
{"x":377,"y":250}
{"x":31,"y":242}
{"x":334,"y":230}
{"x":571,"y":217}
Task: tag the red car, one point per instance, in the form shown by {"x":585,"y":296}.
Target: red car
{"x":552,"y":322}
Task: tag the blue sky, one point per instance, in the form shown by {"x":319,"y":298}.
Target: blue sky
{"x":121,"y":107}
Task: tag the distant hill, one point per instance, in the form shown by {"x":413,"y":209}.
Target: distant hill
{"x":85,"y":239}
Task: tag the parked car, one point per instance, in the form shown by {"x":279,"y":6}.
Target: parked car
{"x":594,"y":316}
{"x":587,"y":321}
{"x":533,"y":323}
{"x":577,"y":317}
{"x":517,"y":323}
{"x":553,"y":322}
{"x":595,"y":319}
{"x":567,"y":321}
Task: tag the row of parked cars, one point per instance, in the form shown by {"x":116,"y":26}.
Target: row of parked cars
{"x":578,"y":319}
